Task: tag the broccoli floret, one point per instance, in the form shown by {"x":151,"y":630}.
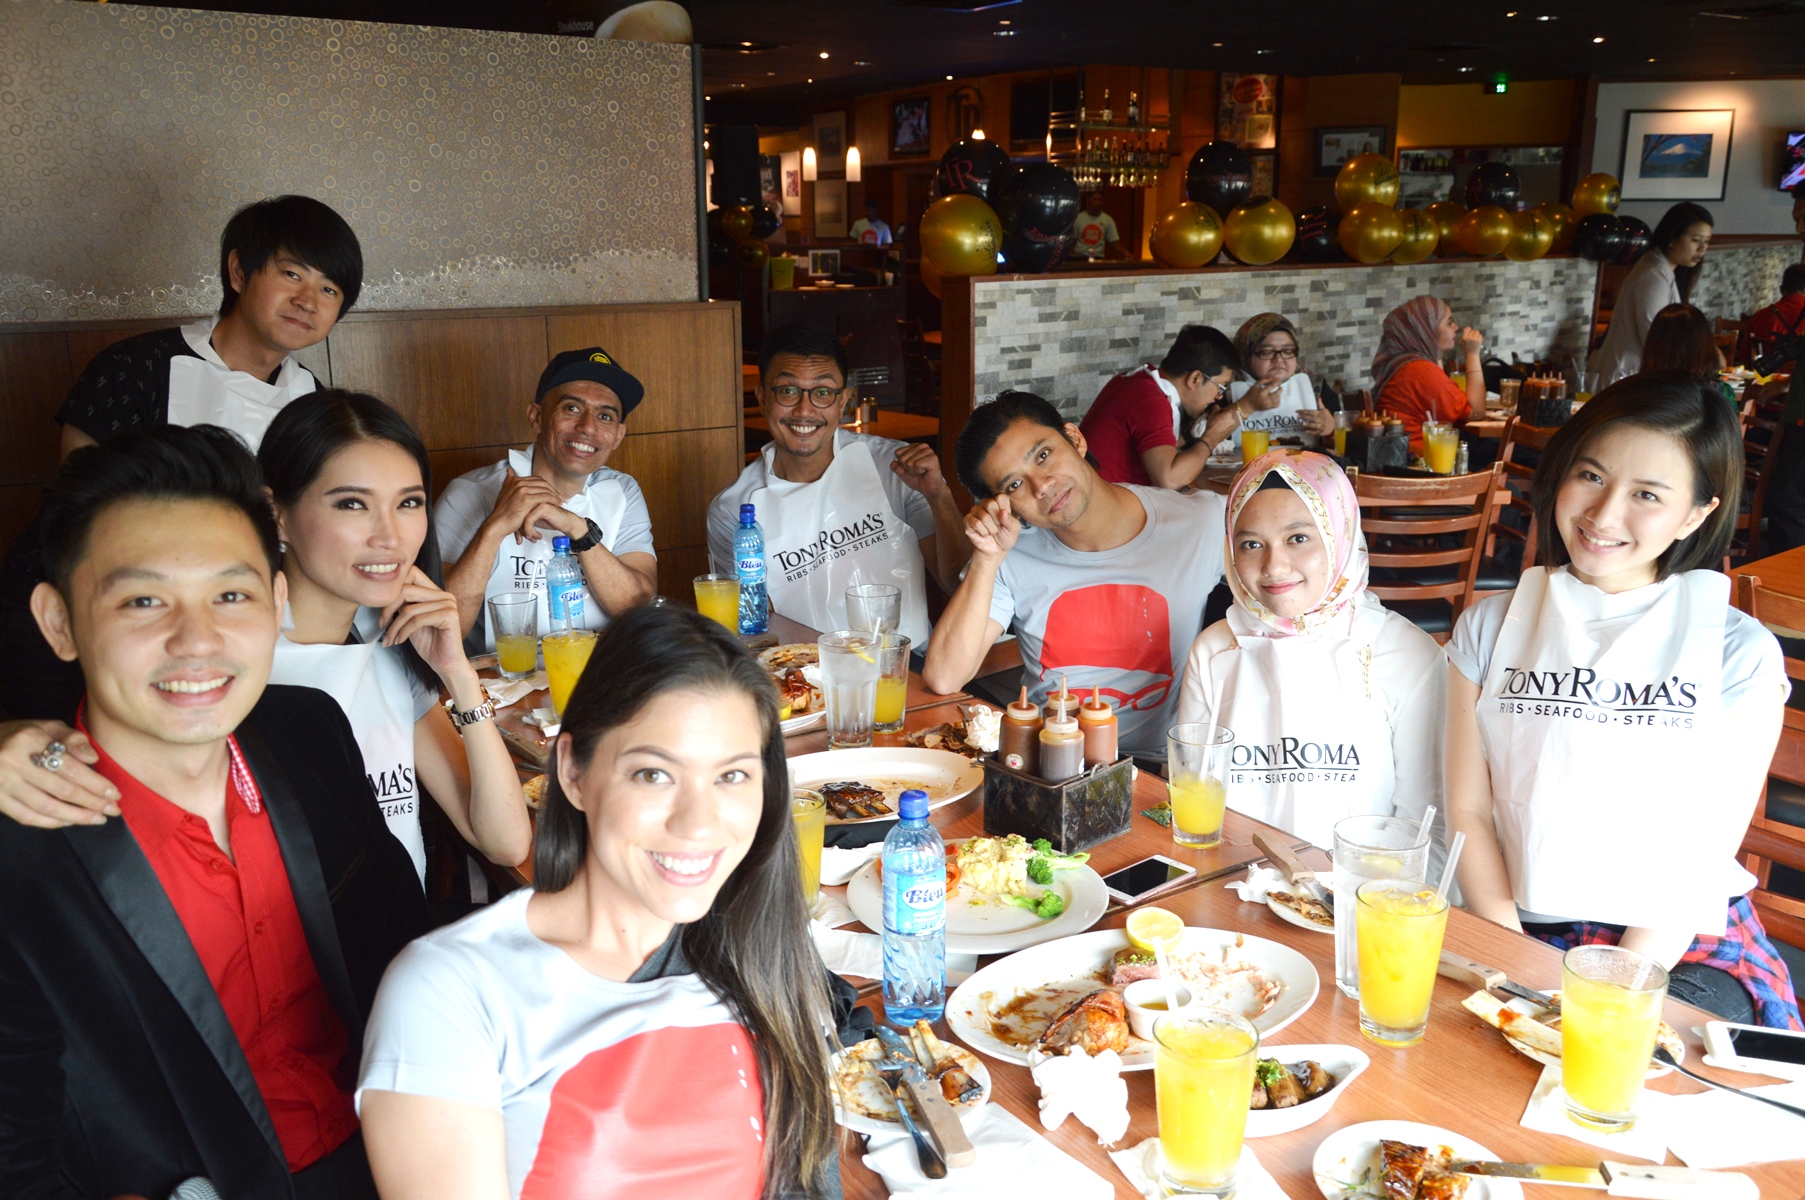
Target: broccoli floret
{"x":1050,"y":905}
{"x":1051,"y":860}
{"x":1043,"y":846}
{"x":1040,"y":870}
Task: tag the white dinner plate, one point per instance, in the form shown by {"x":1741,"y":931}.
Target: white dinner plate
{"x":1293,"y":917}
{"x":1059,"y":972}
{"x":805,"y":723}
{"x":981,"y":924}
{"x":1349,"y":1153}
{"x":943,"y":775}
{"x":860,"y":1123}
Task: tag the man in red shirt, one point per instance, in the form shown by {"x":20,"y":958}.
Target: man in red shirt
{"x":1786,"y":315}
{"x":1142,"y":427}
{"x":182,"y":991}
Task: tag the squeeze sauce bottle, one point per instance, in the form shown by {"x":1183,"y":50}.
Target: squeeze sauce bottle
{"x":1061,"y":749}
{"x":1097,"y":721}
{"x":1019,"y":747}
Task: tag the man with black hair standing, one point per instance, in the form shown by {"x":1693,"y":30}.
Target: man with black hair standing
{"x":1156,"y":426}
{"x":837,"y":507}
{"x":183,"y":988}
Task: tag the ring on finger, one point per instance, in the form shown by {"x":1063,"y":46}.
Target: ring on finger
{"x":50,"y":758}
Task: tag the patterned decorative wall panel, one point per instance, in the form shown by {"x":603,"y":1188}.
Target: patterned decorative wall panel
{"x":1063,"y":336}
{"x":478,"y":169}
{"x":1739,"y":280}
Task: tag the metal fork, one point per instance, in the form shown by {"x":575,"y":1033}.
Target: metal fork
{"x":932,"y":1164}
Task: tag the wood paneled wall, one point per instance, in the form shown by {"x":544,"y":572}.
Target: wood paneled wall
{"x":465,"y":379}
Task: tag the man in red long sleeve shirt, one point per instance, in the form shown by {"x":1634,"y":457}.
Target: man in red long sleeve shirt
{"x":1786,"y":315}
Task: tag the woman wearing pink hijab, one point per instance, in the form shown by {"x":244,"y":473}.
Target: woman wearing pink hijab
{"x":1407,"y":373}
{"x":1334,"y":701}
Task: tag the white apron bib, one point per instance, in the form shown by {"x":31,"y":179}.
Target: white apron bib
{"x":370,"y":683}
{"x":838,"y":531}
{"x":520,"y":566}
{"x":1311,"y":742}
{"x":1601,"y":723}
{"x":204,"y":391}
{"x":1295,"y":396}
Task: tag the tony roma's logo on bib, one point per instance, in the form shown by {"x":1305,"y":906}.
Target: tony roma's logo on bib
{"x":830,"y":544}
{"x":1293,"y":760}
{"x":1584,"y":694}
{"x":529,"y":573}
{"x":394,"y":789}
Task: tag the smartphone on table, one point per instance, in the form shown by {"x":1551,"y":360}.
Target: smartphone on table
{"x":1138,"y":881}
{"x":1756,"y":1049}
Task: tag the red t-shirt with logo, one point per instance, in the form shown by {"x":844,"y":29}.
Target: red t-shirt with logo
{"x":1131,"y":415}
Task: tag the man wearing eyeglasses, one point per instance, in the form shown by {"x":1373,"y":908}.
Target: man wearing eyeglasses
{"x":838,"y":508}
{"x":1155,"y":426}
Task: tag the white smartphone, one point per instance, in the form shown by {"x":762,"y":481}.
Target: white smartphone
{"x":1755,"y":1048}
{"x":1137,"y":881}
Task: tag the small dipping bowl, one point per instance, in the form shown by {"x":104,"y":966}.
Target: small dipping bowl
{"x":1145,"y":1000}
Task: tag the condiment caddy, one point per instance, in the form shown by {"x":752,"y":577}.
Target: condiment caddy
{"x":1057,"y":775}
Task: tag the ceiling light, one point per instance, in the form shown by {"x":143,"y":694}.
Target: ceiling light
{"x":1651,"y":60}
{"x":1003,"y":32}
{"x":708,"y":97}
{"x":770,"y":72}
{"x":1547,"y":17}
{"x":808,"y":164}
{"x":854,"y":173}
{"x":1466,"y":68}
{"x":949,"y":78}
{"x":1598,"y":41}
{"x":824,"y":54}
{"x":1510,"y":14}
{"x":977,"y":135}
{"x":1218,"y":45}
{"x":811,"y":81}
{"x":861,"y":62}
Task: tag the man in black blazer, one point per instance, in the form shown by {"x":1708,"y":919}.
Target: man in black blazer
{"x":143,"y":1040}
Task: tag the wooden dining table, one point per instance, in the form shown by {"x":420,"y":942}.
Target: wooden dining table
{"x":1783,"y":572}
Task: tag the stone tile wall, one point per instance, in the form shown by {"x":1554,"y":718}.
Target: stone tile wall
{"x":1062,"y":336}
{"x":1739,"y":280}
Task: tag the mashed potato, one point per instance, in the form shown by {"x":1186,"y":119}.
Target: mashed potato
{"x":996,"y":866}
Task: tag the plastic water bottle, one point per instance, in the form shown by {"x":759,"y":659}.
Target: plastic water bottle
{"x":749,"y":565}
{"x":564,"y":586}
{"x":914,"y":915}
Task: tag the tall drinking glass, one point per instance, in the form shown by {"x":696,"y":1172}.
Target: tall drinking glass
{"x":514,"y":616}
{"x":1344,"y":421}
{"x":874,"y":607}
{"x":1585,"y":386}
{"x":1254,"y":442}
{"x":1202,"y":1081}
{"x":1610,"y":1012}
{"x":718,"y":599}
{"x":566,"y":654}
{"x":809,"y":812}
{"x":849,"y":671}
{"x":1196,"y":783}
{"x":1441,"y":447}
{"x":1400,"y":924}
{"x":1369,"y":848}
{"x":892,"y":683}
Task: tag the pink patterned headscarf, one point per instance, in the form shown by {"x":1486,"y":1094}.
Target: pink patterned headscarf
{"x":1412,"y":330}
{"x":1330,"y":497}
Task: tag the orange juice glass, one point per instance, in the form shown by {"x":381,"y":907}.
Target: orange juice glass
{"x":566,"y":654}
{"x":1254,"y":442}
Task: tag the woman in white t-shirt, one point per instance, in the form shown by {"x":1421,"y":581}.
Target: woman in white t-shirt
{"x":651,"y":1020}
{"x":1611,"y":721}
{"x":1268,"y":345}
{"x":368,"y":623}
{"x":1335,"y":702}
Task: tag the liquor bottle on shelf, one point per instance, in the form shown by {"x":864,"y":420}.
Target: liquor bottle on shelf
{"x":1134,"y":108}
{"x":1109,"y":114}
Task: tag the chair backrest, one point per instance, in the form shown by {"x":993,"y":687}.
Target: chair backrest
{"x":1762,"y":432}
{"x":1409,"y":524}
{"x":1768,"y":842}
{"x":1515,"y":479}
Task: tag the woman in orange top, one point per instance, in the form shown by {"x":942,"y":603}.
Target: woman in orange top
{"x":1407,"y":374}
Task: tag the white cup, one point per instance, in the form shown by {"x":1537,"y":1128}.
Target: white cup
{"x":1141,"y":995}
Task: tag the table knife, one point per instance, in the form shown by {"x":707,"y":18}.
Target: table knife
{"x":1292,"y":867}
{"x":937,"y":1116}
{"x":1624,"y":1179}
{"x":1481,"y":976}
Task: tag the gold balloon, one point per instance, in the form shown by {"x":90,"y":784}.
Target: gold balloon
{"x":1596,"y":194}
{"x":1484,"y":231}
{"x":1190,"y":235}
{"x":930,"y":276}
{"x":1533,"y":235}
{"x":1260,"y":234}
{"x":1446,"y":215}
{"x":736,"y":222}
{"x":962,"y":235}
{"x":1562,"y":220}
{"x":1366,"y":179}
{"x":752,"y":253}
{"x":1420,"y":236}
{"x":1370,"y":231}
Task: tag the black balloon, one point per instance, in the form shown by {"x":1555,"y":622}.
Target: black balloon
{"x":1598,"y":237}
{"x":766,"y":220}
{"x":1219,"y":175}
{"x":1493,"y":183}
{"x":974,"y":168}
{"x":1028,"y":257}
{"x":1318,"y":235}
{"x":1635,"y":239}
{"x":1040,"y":203}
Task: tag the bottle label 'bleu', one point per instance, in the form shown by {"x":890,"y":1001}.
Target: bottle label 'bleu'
{"x":921,"y":904}
{"x":751,"y":568}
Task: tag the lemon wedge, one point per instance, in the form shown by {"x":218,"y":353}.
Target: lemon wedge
{"x":1154,"y":929}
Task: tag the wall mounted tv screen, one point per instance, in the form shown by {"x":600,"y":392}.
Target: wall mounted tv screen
{"x":1792,"y":161}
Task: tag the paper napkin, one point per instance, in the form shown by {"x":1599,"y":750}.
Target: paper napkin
{"x":511,"y":691}
{"x":1707,"y":1130}
{"x":1091,"y":1089}
{"x":1140,"y":1164}
{"x":1013,"y":1160}
{"x":1547,"y":1111}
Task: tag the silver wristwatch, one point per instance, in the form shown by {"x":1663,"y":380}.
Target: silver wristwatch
{"x":482,"y":712}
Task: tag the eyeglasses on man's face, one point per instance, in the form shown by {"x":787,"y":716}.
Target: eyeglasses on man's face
{"x":785,"y":395}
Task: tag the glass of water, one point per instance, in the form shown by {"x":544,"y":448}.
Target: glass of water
{"x":1366,"y":848}
{"x":874,"y":607}
{"x":849,"y":672}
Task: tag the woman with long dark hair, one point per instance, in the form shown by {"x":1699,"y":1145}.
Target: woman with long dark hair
{"x":1610,"y":722}
{"x":368,"y":623}
{"x":1681,"y":339}
{"x":1663,"y":275}
{"x":653,"y":1009}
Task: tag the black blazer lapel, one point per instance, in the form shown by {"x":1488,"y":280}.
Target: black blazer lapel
{"x":132,"y":890}
{"x":289,"y":820}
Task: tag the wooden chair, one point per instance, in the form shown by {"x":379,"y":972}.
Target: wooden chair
{"x":1762,"y":431}
{"x":1357,"y":401}
{"x":1770,"y":842}
{"x":1425,"y":538}
{"x":1499,"y":572}
{"x":1732,"y":339}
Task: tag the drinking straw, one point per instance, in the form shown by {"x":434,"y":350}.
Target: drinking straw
{"x":1429,"y":822}
{"x":1447,"y":871}
{"x":1215,"y":703}
{"x":1165,"y":975}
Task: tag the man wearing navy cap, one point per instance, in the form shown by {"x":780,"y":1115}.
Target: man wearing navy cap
{"x":496,"y":524}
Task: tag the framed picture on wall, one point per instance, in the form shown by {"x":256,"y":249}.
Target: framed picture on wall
{"x":791,"y":174}
{"x":770,"y":180}
{"x":1335,"y":146}
{"x":1676,"y":154}
{"x":1263,"y":180}
{"x":1247,"y":111}
{"x":824,"y":262}
{"x":830,"y":141}
{"x":830,"y":208}
{"x":909,"y":126}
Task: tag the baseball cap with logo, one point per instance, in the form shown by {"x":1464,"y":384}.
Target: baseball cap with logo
{"x":597,"y":366}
